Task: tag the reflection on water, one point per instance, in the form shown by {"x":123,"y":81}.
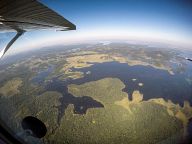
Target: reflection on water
{"x":41,"y":76}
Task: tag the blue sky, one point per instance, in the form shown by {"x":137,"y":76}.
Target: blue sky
{"x":169,"y":16}
{"x":162,"y":14}
{"x":159,"y":20}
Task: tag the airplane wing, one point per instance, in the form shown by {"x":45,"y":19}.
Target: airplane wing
{"x":26,"y":15}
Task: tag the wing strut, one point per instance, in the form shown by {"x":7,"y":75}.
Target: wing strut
{"x":2,"y":52}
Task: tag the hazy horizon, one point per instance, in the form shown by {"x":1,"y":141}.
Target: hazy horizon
{"x":166,"y":21}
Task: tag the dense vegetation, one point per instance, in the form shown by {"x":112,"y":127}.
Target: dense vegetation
{"x":147,"y":123}
{"x":121,"y":120}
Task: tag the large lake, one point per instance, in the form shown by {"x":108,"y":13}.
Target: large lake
{"x":156,"y":83}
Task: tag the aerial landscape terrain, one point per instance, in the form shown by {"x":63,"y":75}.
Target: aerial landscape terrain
{"x":100,"y":93}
